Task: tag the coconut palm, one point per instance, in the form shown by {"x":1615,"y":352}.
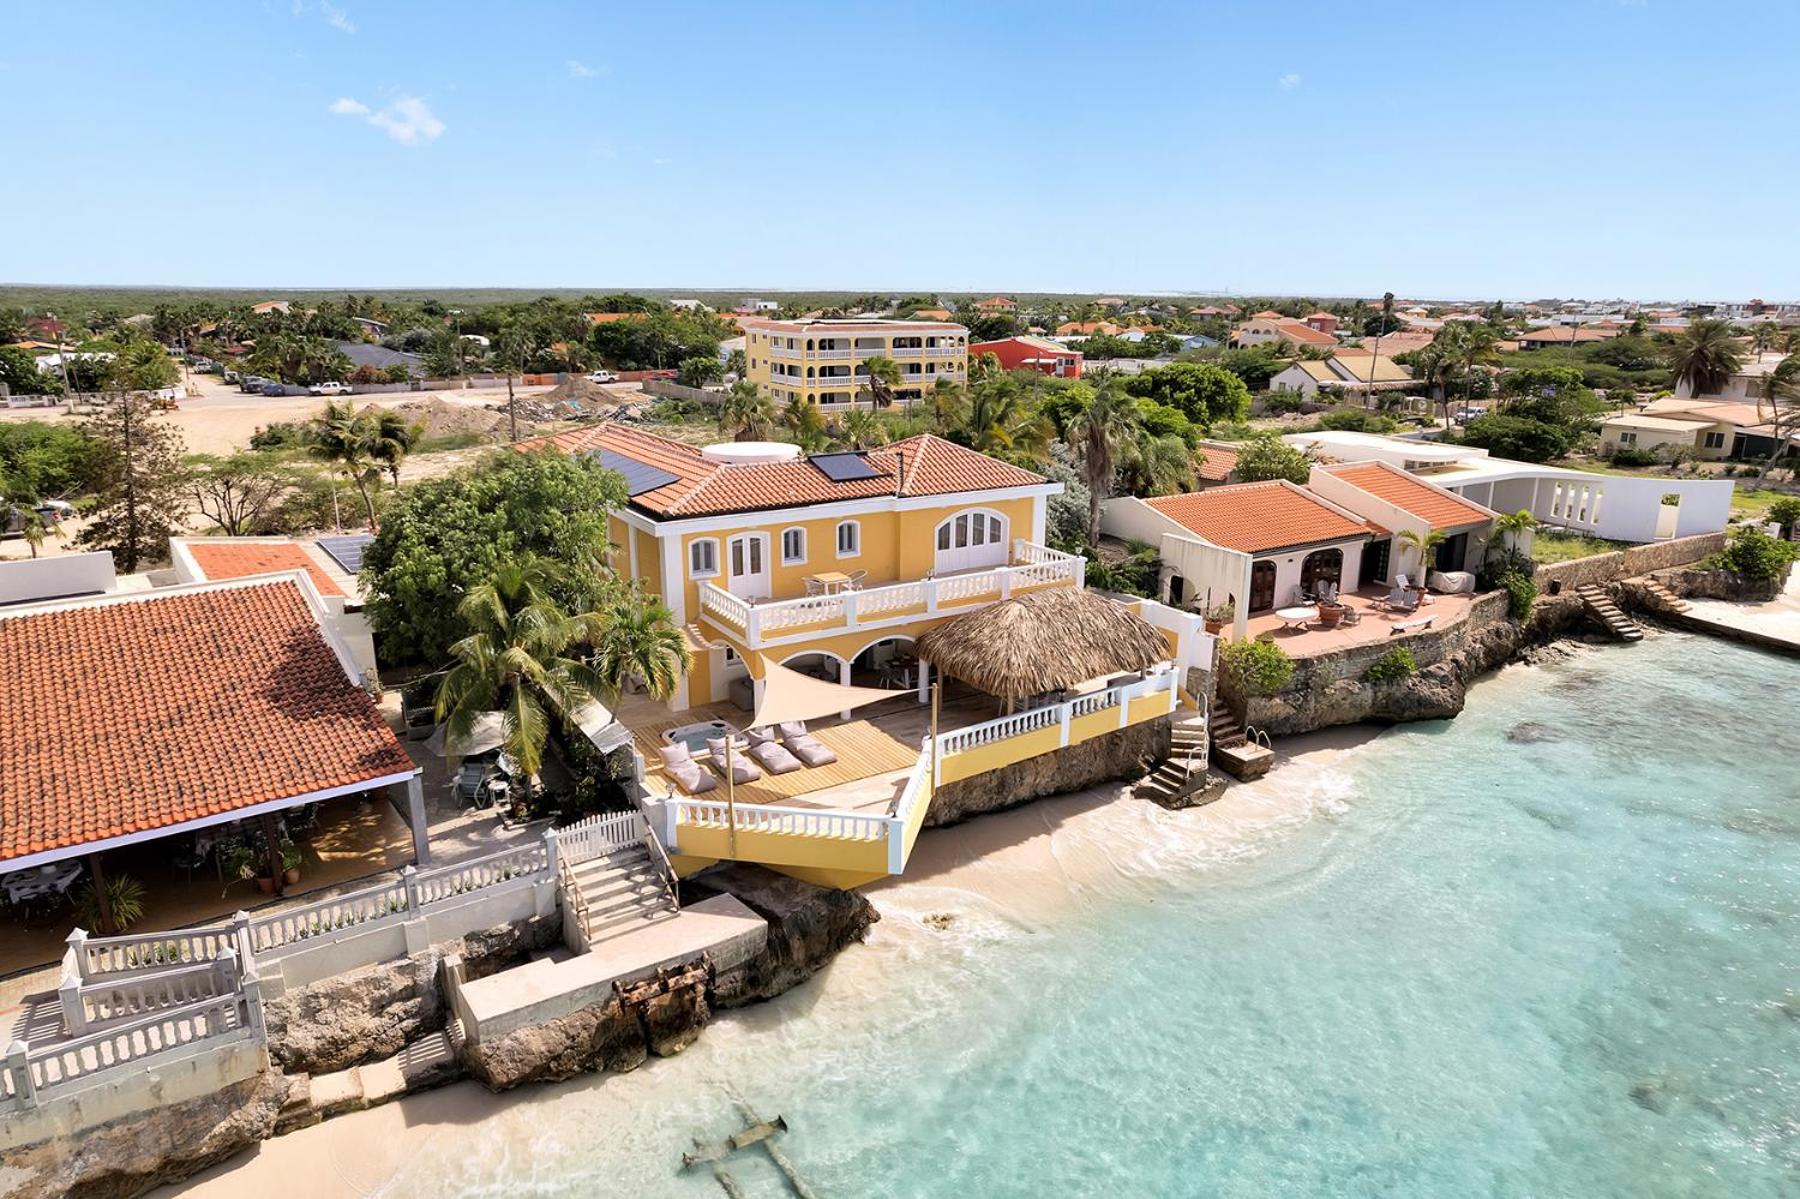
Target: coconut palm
{"x":746,"y":414}
{"x":984,"y":366}
{"x":1098,"y":433}
{"x":346,"y":438}
{"x":804,"y":426}
{"x":517,"y":660}
{"x":1778,"y":408}
{"x":1474,"y":346}
{"x":1001,"y":420}
{"x":1152,"y":465}
{"x":1705,"y":357}
{"x":949,"y":406}
{"x":1425,"y":545}
{"x":861,"y":429}
{"x":391,"y":438}
{"x":1762,"y":337}
{"x":639,"y":639}
{"x":1512,"y":525}
{"x":884,"y":376}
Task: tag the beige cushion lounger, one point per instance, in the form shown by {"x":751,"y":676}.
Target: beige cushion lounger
{"x":678,"y":764}
{"x":805,"y":746}
{"x":743,"y":770}
{"x":774,"y":758}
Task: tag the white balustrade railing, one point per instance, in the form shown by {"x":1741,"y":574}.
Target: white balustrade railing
{"x":385,"y":902}
{"x":1058,"y":715}
{"x":771,"y":818}
{"x":832,"y":355}
{"x":943,"y":351}
{"x":766,"y":621}
{"x":135,"y":996}
{"x":460,"y":878}
{"x":598,"y":836}
{"x":32,"y":1070}
{"x":111,"y":955}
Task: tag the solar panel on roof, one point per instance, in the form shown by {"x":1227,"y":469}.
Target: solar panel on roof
{"x":844,"y":468}
{"x":347,"y":551}
{"x":639,"y":476}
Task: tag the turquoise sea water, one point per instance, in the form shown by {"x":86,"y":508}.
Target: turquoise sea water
{"x":1549,"y":948}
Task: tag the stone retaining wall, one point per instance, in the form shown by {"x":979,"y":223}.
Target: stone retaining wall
{"x":1126,"y":754}
{"x":1625,"y":564}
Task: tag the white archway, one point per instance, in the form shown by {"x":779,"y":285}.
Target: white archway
{"x":973,"y":539}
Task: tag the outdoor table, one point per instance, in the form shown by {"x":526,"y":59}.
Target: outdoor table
{"x":832,"y":580}
{"x":22,"y":886}
{"x":1296,"y":617}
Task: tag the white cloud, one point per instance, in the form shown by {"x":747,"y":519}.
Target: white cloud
{"x":408,"y":120}
{"x":580,"y":70}
{"x":1289,"y":81}
{"x":336,"y":17}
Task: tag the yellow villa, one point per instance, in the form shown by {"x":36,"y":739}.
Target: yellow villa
{"x":804,"y":584}
{"x":822,"y":361}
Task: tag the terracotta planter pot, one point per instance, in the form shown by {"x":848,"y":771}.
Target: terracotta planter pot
{"x":290,"y":877}
{"x":266,"y":886}
{"x":1215,"y":626}
{"x":1330,"y":617}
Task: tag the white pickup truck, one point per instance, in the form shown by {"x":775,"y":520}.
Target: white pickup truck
{"x":602,"y":377}
{"x":331,"y":387}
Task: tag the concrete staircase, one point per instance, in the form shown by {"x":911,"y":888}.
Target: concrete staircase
{"x":1226,"y":732}
{"x":621,"y":891}
{"x":1662,"y":599}
{"x":1184,"y":772}
{"x":1601,"y":606}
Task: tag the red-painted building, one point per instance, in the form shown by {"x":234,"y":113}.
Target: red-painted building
{"x":1034,"y":354}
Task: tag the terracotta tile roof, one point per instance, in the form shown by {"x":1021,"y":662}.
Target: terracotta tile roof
{"x":226,"y":560}
{"x":1255,"y":517}
{"x":1219,"y":462}
{"x":923,"y":465}
{"x":127,"y":716}
{"x":1438,"y":509}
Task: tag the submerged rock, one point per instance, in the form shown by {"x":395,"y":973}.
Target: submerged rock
{"x":1653,"y":1095}
{"x":1529,"y":731}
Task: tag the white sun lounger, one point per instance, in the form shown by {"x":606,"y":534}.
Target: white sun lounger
{"x":806,"y":747}
{"x":743,"y":770}
{"x":678,"y":764}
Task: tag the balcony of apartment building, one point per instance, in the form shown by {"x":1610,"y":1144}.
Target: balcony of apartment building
{"x":968,"y":574}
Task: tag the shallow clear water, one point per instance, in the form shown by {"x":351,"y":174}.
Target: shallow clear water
{"x":1561,"y":963}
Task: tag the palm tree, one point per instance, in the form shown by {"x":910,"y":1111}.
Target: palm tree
{"x":805,"y":427}
{"x":949,"y":406}
{"x":1778,"y":407}
{"x":1424,"y":544}
{"x":516,"y":660}
{"x":34,"y":528}
{"x":1000,"y":420}
{"x":1476,"y":345}
{"x":391,"y":438}
{"x":861,"y":429}
{"x":746,"y":414}
{"x":346,"y":438}
{"x":884,"y":376}
{"x":983,"y":367}
{"x":1152,"y":465}
{"x":1762,"y":337}
{"x":1098,"y":433}
{"x":639,"y":639}
{"x":1705,"y":357}
{"x":1511,"y":526}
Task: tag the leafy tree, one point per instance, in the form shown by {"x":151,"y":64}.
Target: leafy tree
{"x":1206,"y":393}
{"x":40,"y":460}
{"x":1523,"y":438}
{"x":238,"y":491}
{"x":20,"y":375}
{"x":746,"y":413}
{"x":1705,"y":357}
{"x":143,"y":366}
{"x":138,"y":491}
{"x":441,"y":533}
{"x":1754,"y":554}
{"x":1106,"y":425}
{"x":1255,"y":365}
{"x":1066,"y":515}
{"x":1266,"y":456}
{"x":1786,"y":513}
{"x":699,"y":371}
{"x":298,"y":359}
{"x":1156,"y":465}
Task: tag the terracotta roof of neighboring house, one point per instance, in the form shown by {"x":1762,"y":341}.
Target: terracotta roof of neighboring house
{"x":228,"y":560}
{"x":1320,"y":315}
{"x":1087,"y":328}
{"x":1041,"y":344}
{"x":1257,"y":517}
{"x":1439,"y":509}
{"x":1219,"y":461}
{"x":996,"y":302}
{"x":607,"y":318}
{"x":1298,"y":332}
{"x":932,"y":314}
{"x":126,"y":716}
{"x":1267,"y":314}
{"x":926,"y":465}
{"x":1567,"y":334}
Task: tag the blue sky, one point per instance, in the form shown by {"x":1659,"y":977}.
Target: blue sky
{"x":1582,"y":147}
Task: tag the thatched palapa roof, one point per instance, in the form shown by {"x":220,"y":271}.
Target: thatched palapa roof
{"x":1043,"y":641}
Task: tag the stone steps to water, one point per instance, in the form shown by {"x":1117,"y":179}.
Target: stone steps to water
{"x":1601,"y":606}
{"x":427,"y":1062}
{"x":1665,"y":599}
{"x":1223,"y":725}
{"x":1184,"y":771}
{"x":620,"y":891}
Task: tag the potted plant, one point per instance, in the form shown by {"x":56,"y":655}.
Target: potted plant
{"x":1220,"y":615}
{"x":290,"y":863}
{"x":1330,"y":615}
{"x":239,"y":865}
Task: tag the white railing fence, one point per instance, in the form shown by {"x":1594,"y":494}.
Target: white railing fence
{"x":598,"y":836}
{"x":1061,"y":715}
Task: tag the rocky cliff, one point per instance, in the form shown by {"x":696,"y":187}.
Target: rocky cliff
{"x":1125,"y":754}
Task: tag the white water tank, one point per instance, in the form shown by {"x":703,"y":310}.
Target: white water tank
{"x":751,"y":453}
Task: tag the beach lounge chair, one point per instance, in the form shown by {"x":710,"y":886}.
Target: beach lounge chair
{"x":1400,"y":599}
{"x":678,"y":763}
{"x":743,"y":770}
{"x":806,"y":747}
{"x":770,"y":753}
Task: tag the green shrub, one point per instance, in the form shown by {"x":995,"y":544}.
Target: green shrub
{"x":1398,"y":663}
{"x":1358,"y":420}
{"x":1521,"y":592}
{"x":1754,"y":554}
{"x":1786,"y":512}
{"x":1261,"y":666}
{"x":124,"y":895}
{"x":1630,"y":455}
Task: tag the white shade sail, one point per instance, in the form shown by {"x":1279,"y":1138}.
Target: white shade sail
{"x":790,"y":695}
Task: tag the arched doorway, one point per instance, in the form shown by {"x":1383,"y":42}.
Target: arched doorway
{"x":970,"y":541}
{"x":1321,"y":566}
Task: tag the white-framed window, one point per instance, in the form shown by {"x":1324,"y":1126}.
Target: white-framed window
{"x":793,"y":546}
{"x":1715,"y":441}
{"x":849,"y":539}
{"x":703,"y":558}
{"x":1628,"y":439}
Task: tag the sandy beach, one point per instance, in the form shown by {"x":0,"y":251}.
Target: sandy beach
{"x":1000,"y":875}
{"x":1780,"y":617}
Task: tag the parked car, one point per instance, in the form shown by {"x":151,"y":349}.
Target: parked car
{"x":331,"y":387}
{"x":55,"y":509}
{"x":252,"y":384}
{"x":274,"y":389}
{"x":231,"y":376}
{"x":1463,"y":416}
{"x":602,"y":377}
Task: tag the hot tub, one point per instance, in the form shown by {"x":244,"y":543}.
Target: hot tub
{"x":696,"y":735}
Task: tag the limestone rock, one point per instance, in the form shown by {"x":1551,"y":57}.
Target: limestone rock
{"x":1125,"y":754}
{"x":599,"y":1037}
{"x":808,"y":926}
{"x":130,"y":1156}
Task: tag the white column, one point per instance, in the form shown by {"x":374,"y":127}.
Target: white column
{"x":421,"y":832}
{"x":924,"y":681}
{"x":844,"y":678}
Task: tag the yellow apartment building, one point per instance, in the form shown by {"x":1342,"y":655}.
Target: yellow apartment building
{"x":821,"y":361}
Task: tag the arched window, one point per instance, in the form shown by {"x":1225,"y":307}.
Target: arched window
{"x":793,"y":546}
{"x":849,"y":539}
{"x":1321,"y":566}
{"x":971,"y":540}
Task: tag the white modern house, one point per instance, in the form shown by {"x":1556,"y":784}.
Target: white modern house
{"x":1617,"y":507}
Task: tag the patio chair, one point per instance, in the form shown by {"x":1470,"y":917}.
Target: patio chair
{"x":814,"y":587}
{"x":856,"y":578}
{"x":806,"y":747}
{"x":770,"y":753}
{"x":678,"y":763}
{"x":1350,"y":616}
{"x":1401,"y":600}
{"x":742,"y":769}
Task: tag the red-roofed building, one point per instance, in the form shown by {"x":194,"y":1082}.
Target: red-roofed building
{"x":1401,"y":501}
{"x":331,"y":563}
{"x":137,"y":716}
{"x":1034,"y":354}
{"x":1269,"y":329}
{"x":1258,"y":546}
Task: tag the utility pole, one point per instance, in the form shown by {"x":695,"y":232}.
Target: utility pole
{"x":62,"y":355}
